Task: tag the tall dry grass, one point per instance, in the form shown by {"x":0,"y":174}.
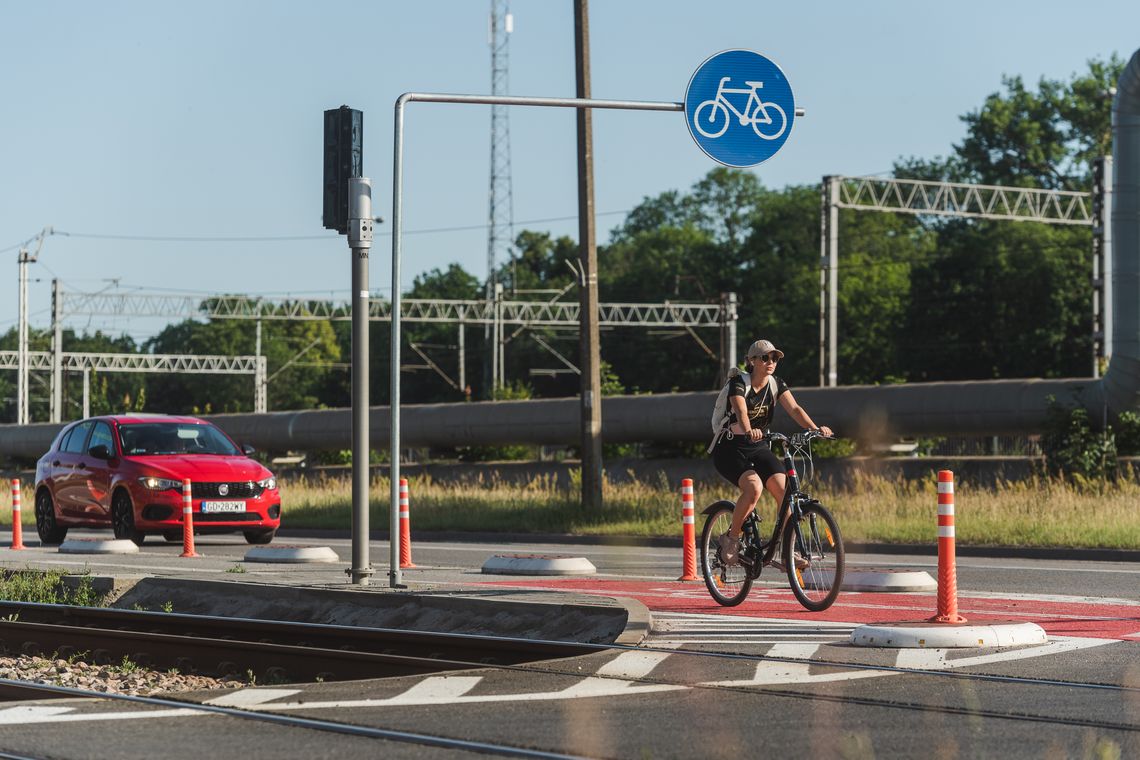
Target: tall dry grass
{"x":1034,"y":512}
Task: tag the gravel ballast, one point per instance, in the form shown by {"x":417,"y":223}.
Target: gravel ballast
{"x":109,"y":679}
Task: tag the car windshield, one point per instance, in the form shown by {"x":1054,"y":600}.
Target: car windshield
{"x":157,"y":438}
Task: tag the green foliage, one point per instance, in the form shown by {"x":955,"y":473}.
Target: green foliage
{"x":47,"y":587}
{"x":1072,"y":447}
{"x":833,"y":449}
{"x":1128,"y":434}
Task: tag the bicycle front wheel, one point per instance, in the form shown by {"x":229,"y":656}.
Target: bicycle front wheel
{"x":728,"y":585}
{"x":711,"y":119}
{"x":814,"y":557}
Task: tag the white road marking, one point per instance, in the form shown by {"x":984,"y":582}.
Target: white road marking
{"x":632,"y":665}
{"x":33,"y":714}
{"x":935,"y":659}
{"x":251,"y":697}
{"x":438,"y":689}
{"x":452,"y":690}
{"x":588,"y":687}
{"x":15,"y":716}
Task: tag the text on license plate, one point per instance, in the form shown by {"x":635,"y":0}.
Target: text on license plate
{"x":223,"y":506}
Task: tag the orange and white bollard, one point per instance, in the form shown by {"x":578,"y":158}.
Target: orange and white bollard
{"x":405,"y":527}
{"x":17,"y":528}
{"x":688,"y":533}
{"x":947,"y":570}
{"x":188,"y":521}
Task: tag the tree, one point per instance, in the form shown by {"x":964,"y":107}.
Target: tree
{"x":299,"y":357}
{"x":1045,"y":138}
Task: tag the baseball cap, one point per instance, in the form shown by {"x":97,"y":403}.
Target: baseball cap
{"x":761,"y":347}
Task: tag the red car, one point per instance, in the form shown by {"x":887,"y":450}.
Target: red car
{"x":126,"y":471}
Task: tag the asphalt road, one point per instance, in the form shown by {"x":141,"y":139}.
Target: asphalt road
{"x":760,"y":678}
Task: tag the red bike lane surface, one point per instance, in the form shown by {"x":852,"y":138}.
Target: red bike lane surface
{"x":1083,"y":618}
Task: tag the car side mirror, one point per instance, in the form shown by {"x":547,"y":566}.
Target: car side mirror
{"x":248,"y":450}
{"x":100,"y":452}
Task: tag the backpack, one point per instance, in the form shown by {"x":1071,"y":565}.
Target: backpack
{"x":720,"y":414}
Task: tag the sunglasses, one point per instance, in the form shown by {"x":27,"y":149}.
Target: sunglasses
{"x":768,"y":358}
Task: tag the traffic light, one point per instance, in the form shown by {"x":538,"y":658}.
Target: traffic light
{"x":344,"y":158}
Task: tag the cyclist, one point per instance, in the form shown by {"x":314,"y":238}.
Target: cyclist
{"x":741,"y":454}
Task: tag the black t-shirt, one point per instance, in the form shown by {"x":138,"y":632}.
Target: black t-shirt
{"x":760,"y":404}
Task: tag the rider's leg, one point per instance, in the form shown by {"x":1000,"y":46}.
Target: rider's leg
{"x":750,"y":490}
{"x":775,"y":485}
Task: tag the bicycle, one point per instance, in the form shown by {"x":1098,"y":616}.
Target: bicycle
{"x":721,"y":105}
{"x":808,"y":535}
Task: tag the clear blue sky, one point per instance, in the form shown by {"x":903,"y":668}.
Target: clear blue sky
{"x":205,"y":119}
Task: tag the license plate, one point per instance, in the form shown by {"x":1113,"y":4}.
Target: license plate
{"x":223,"y":506}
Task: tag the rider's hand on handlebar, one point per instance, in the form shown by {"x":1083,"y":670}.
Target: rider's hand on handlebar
{"x":755,"y":434}
{"x":826,"y":431}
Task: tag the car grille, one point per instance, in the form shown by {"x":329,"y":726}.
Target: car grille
{"x":245,"y":489}
{"x":220,"y":517}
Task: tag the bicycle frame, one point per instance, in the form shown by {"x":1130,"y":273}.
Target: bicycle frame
{"x":753,"y":97}
{"x":789,"y":507}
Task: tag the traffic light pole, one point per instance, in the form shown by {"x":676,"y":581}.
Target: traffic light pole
{"x":360,"y":241}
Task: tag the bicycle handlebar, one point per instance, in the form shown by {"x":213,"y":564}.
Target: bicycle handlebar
{"x":798,"y":439}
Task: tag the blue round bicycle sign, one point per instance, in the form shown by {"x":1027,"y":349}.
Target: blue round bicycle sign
{"x":739,"y":108}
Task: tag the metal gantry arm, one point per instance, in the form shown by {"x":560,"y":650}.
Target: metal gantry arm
{"x":154,"y":363}
{"x":934,"y":198}
{"x":928,"y":197}
{"x":530,"y":313}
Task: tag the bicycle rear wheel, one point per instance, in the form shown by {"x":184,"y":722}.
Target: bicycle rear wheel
{"x":814,"y":538}
{"x":727,"y":585}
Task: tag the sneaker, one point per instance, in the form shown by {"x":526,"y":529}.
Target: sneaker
{"x":729,"y":550}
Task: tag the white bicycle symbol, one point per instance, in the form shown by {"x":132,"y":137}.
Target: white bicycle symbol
{"x":716,"y":113}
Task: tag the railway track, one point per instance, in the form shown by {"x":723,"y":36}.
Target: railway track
{"x":372,"y":653}
{"x":272,"y":651}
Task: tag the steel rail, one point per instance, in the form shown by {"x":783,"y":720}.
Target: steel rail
{"x":276,"y":651}
{"x":497,"y":651}
{"x":46,"y":691}
{"x":468,"y":649}
{"x":24,"y":690}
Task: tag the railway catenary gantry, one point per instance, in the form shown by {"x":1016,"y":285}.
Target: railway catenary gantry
{"x":494,"y":314}
{"x":996,"y":202}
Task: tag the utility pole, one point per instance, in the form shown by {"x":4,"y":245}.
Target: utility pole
{"x":56,"y":353}
{"x":589,"y":338}
{"x":24,"y":258}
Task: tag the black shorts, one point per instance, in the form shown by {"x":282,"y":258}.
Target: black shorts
{"x":732,"y":460}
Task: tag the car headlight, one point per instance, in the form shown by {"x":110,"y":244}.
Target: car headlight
{"x":269,"y":484}
{"x":160,"y":484}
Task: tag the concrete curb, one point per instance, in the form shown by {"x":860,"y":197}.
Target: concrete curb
{"x":537,"y":564}
{"x":888,"y":580}
{"x":99,"y":546}
{"x":285,"y":554}
{"x":927,"y":635}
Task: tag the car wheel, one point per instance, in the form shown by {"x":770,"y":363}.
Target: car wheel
{"x":174,"y":535}
{"x":259,"y":536}
{"x":46,"y":525}
{"x":123,"y":518}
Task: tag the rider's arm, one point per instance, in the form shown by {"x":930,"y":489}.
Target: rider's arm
{"x":797,"y":413}
{"x":743,"y":426}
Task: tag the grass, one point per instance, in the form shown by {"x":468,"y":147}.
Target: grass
{"x":46,"y":587}
{"x":1035,"y":512}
